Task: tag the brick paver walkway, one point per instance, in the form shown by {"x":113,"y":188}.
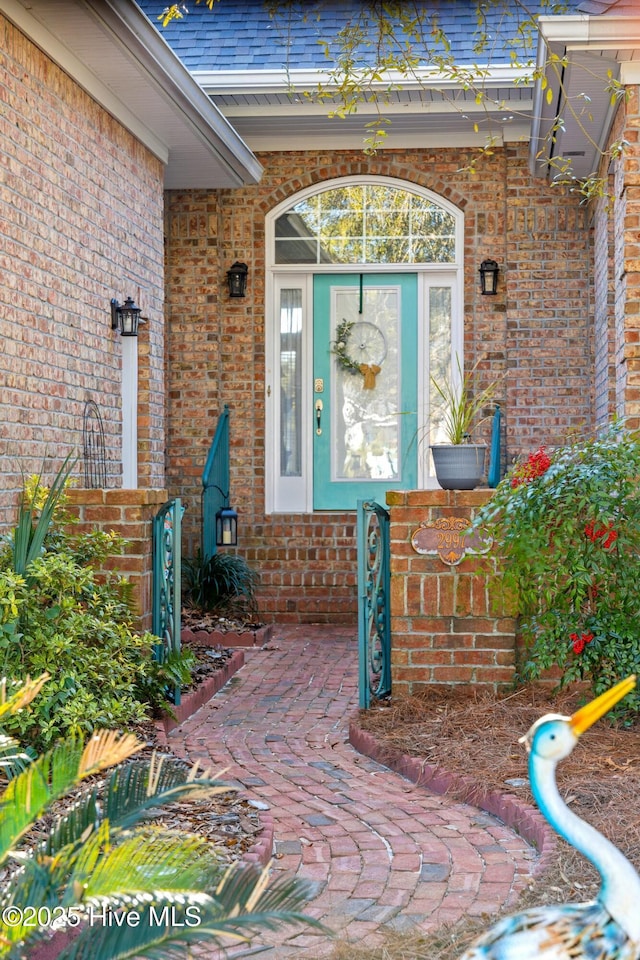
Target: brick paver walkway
{"x":381,"y":852}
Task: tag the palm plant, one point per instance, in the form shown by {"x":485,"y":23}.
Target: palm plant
{"x":131,"y":889}
{"x":35,"y":518}
{"x":461,"y":405}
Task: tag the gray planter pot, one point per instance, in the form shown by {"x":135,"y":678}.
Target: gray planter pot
{"x":459,"y":466}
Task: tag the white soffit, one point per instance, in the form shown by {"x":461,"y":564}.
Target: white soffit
{"x":596,"y":48}
{"x":113,"y":52}
{"x":270,"y":111}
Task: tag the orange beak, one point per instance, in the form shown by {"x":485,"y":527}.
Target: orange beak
{"x":586,"y":716}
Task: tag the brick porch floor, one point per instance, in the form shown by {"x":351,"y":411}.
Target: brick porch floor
{"x":382,"y":853}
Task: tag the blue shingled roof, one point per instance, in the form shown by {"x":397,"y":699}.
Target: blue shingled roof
{"x":240,"y":34}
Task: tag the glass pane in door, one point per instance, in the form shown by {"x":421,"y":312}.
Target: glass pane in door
{"x":365,"y":387}
{"x":366,"y":405}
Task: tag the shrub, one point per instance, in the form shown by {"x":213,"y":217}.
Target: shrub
{"x":223,"y":583}
{"x":58,"y":616}
{"x":567,"y":532}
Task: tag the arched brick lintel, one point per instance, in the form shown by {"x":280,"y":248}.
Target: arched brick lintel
{"x":359,"y":168}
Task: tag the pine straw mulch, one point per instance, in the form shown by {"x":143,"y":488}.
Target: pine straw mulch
{"x":477,"y":734}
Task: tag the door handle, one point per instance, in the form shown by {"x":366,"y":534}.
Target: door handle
{"x":318,"y":408}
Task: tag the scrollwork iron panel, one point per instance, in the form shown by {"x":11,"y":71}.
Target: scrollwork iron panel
{"x":167,"y":535}
{"x":374,"y":629}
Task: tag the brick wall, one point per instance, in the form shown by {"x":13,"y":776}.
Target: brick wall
{"x":81,"y":206}
{"x":130,"y":514}
{"x":449,"y":624}
{"x":604,"y":333}
{"x":549,"y":339}
{"x":536,"y":331}
{"x":624,"y":214}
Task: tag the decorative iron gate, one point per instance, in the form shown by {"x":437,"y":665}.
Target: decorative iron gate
{"x":374,"y":628}
{"x":167,"y":527}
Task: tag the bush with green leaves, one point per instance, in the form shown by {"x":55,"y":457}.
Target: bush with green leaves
{"x":566,"y":528}
{"x":97,"y":857}
{"x":57,"y":615}
{"x":223,"y":583}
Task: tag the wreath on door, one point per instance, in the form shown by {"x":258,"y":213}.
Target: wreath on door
{"x":360,"y":347}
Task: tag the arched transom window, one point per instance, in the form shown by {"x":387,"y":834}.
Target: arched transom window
{"x":367,"y":223}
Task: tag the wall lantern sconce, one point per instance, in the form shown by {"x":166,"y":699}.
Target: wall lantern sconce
{"x":489,"y":277}
{"x":125,"y":317}
{"x":226,"y":527}
{"x":237,"y":279}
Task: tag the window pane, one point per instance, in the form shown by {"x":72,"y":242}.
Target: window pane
{"x":388,"y":250}
{"x":381,"y":223}
{"x":366,"y":224}
{"x":367,"y":422}
{"x":439,"y":356}
{"x":290,"y":382}
{"x":434,"y":250}
{"x":296,"y":251}
{"x":342,"y":251}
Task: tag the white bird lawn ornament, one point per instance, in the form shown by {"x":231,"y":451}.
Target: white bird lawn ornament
{"x":607,"y":928}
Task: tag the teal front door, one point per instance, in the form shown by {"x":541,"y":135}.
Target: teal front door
{"x":365,"y":394}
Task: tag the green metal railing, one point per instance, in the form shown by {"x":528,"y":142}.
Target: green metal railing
{"x":374,"y":624}
{"x":215,"y":484}
{"x":167,"y":527}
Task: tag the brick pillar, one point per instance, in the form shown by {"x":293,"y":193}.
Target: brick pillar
{"x":626,"y":213}
{"x":449,"y":624}
{"x":128,"y":513}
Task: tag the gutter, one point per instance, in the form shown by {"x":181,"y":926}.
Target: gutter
{"x":176,"y":84}
{"x":222,"y":82}
{"x":127,"y":27}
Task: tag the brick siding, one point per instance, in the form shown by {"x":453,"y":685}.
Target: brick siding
{"x":536,"y":332}
{"x":625,"y":216}
{"x":449,"y":624}
{"x":81,"y":205}
{"x":129,"y":513}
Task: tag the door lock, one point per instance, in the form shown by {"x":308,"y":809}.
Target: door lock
{"x":319,"y":407}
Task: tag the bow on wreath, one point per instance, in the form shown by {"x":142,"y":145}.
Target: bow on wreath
{"x":369,"y":371}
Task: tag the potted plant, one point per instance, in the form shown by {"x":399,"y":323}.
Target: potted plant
{"x":459,"y":463}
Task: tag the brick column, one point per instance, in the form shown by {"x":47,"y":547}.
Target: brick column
{"x":449,"y":624}
{"x":128,"y":513}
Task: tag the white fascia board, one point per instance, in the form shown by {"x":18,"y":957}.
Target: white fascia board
{"x":279,"y":81}
{"x":604,"y":32}
{"x":131,"y":31}
{"x":178,"y":85}
{"x":562,"y":35}
{"x":60,"y":54}
{"x":417,"y":140}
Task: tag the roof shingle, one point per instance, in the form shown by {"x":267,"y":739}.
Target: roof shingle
{"x":241,"y":34}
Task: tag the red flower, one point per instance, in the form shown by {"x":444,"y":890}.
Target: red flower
{"x":536,"y":464}
{"x":580,"y":642}
{"x":607,"y":534}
